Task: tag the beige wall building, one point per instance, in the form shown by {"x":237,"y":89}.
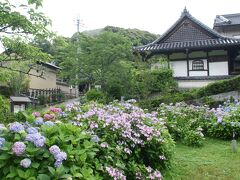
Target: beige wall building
{"x":48,"y":79}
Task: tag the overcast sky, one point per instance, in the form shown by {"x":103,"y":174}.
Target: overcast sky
{"x":155,"y":16}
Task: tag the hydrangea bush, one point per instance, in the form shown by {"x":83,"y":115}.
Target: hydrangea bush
{"x":184,"y":122}
{"x":91,"y":141}
{"x":189,"y":123}
{"x":224,"y":122}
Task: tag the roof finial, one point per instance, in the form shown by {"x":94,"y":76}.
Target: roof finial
{"x":185,"y":11}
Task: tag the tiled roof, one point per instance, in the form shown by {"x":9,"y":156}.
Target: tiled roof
{"x":227,"y":19}
{"x":182,"y":36}
{"x":165,"y":47}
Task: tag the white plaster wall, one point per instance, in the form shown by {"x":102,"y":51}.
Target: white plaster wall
{"x":179,"y":68}
{"x":187,"y":84}
{"x":197,"y":73}
{"x":218,"y":68}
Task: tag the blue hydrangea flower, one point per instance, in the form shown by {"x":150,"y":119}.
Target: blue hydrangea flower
{"x":62,"y":114}
{"x":25,"y":163}
{"x":54,"y":150}
{"x":2,"y":141}
{"x":37,"y":139}
{"x":32,"y":130}
{"x":49,"y":123}
{"x":61,"y":156}
{"x":95,"y":138}
{"x":39,"y":121}
{"x":57,"y":163}
{"x":16,"y":127}
{"x":232,"y":123}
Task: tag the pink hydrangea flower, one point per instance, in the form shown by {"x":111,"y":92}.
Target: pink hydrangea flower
{"x":48,"y":116}
{"x":56,"y":110}
{"x":36,"y":114}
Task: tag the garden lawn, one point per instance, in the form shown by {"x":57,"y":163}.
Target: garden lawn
{"x":215,"y":161}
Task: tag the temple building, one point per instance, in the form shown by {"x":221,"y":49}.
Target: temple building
{"x":197,"y":54}
{"x":228,"y":25}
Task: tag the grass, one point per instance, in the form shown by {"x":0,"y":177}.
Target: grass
{"x":214,"y":161}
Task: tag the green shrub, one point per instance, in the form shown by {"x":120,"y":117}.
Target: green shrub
{"x":6,"y":91}
{"x":42,"y":100}
{"x":220,"y":87}
{"x":5,"y":114}
{"x":162,"y":80}
{"x":96,"y":95}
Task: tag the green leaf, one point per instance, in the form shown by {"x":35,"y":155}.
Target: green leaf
{"x":4,"y":156}
{"x":83,"y":158}
{"x":65,"y":176}
{"x":51,"y":170}
{"x":21,"y":173}
{"x":46,"y":155}
{"x":35,"y":165}
{"x":60,"y":170}
{"x":11,"y":175}
{"x":43,"y":177}
{"x":79,"y":175}
{"x":86,"y":172}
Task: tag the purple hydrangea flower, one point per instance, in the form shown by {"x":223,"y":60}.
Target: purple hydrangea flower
{"x":115,"y":173}
{"x":61,"y":156}
{"x":16,"y":127}
{"x":25,"y":163}
{"x":39,"y":121}
{"x":32,"y":130}
{"x":2,"y":141}
{"x":18,"y":148}
{"x":57,"y":163}
{"x":37,"y":139}
{"x":54,"y":150}
{"x":95,"y":138}
{"x":62,"y":114}
{"x":104,"y":145}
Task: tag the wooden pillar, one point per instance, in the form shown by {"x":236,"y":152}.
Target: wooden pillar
{"x":207,"y":64}
{"x":187,"y":53}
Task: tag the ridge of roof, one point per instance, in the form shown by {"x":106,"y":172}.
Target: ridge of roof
{"x":185,"y":14}
{"x":232,"y":20}
{"x":230,"y":15}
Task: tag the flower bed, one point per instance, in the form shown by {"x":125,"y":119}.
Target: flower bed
{"x":189,"y":123}
{"x":89,"y":141}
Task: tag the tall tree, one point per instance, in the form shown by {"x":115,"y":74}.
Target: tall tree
{"x":20,"y":22}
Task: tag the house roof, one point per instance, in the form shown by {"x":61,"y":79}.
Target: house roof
{"x":187,"y":33}
{"x":227,"y":20}
{"x":50,"y":65}
{"x":19,"y":99}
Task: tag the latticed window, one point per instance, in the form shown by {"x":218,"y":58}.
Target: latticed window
{"x":198,"y":65}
